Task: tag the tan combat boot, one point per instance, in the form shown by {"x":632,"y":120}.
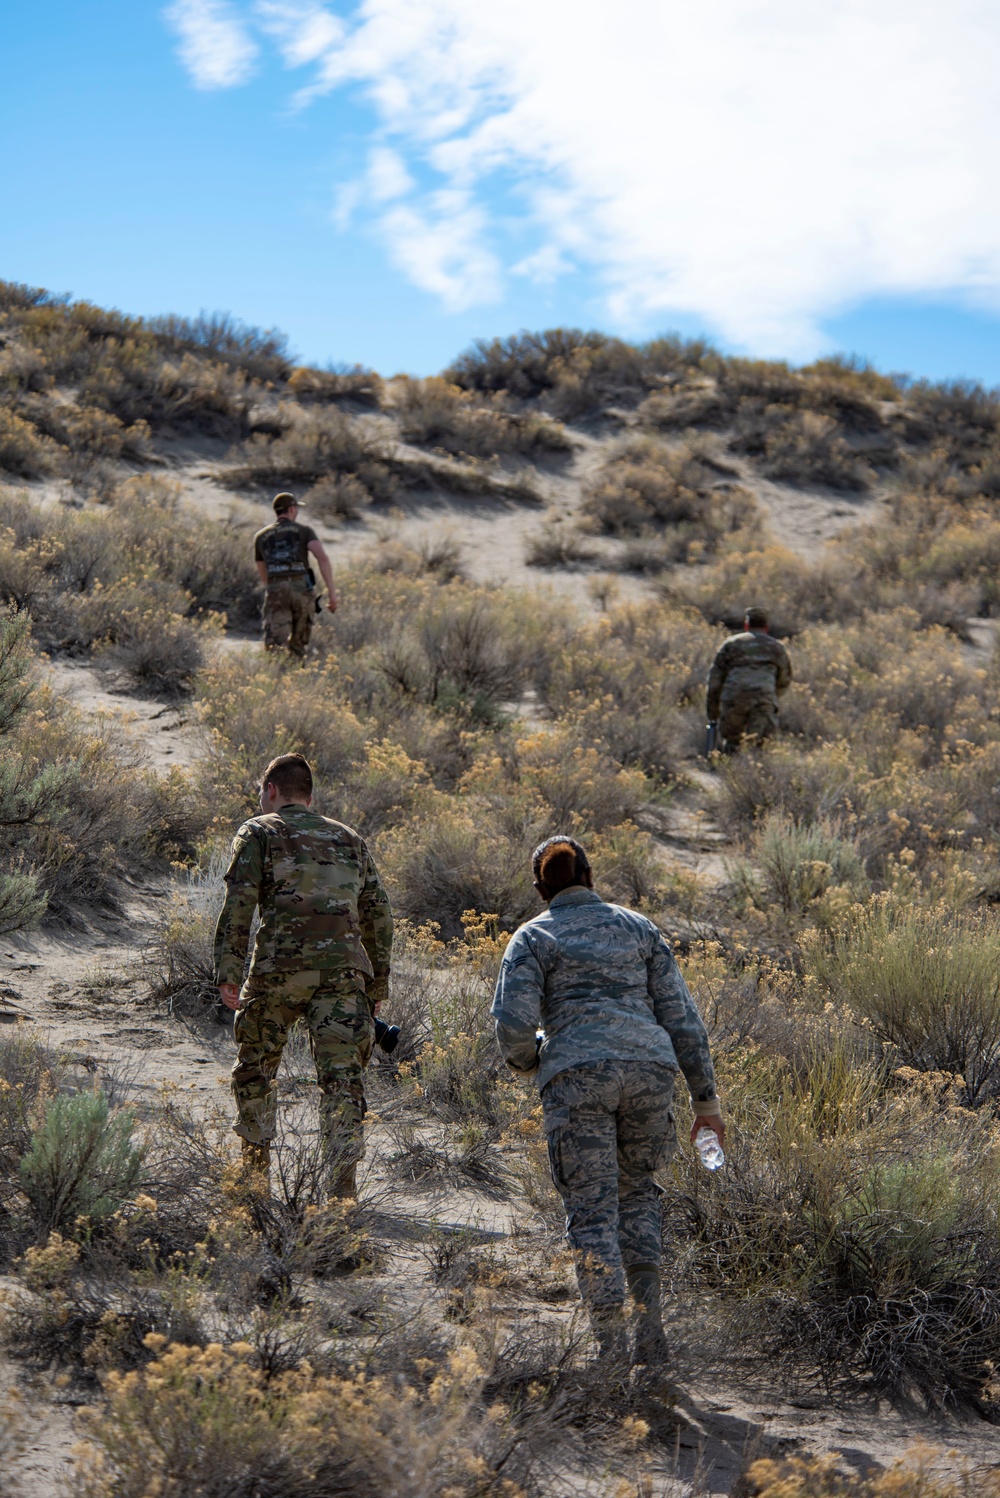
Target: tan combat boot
{"x":651,"y":1345}
{"x":345,"y":1183}
{"x":256,"y":1167}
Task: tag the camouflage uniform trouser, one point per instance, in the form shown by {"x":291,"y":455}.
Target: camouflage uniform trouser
{"x":609,"y":1127}
{"x":338,"y":1016}
{"x":748,"y":715}
{"x":288,"y":616}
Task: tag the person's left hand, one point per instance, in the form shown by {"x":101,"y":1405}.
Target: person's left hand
{"x":711,"y":1121}
{"x":229,"y":993}
{"x":331,"y":604}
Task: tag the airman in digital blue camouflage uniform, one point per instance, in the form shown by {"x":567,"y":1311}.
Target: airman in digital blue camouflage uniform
{"x":321,"y":954}
{"x":590,"y":1000}
{"x":749,"y":673}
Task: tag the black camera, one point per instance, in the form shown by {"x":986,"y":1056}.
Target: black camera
{"x":386,"y":1036}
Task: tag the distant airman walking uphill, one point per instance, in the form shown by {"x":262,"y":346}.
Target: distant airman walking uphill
{"x":748,"y":675}
{"x":282,"y":551}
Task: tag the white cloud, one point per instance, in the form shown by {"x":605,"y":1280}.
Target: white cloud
{"x":387,"y":175}
{"x":758,"y":163}
{"x":215,"y":46}
{"x":441,"y":247}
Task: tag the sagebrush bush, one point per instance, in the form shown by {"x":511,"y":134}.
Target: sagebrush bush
{"x":315,"y":445}
{"x":926,"y":980}
{"x":434,"y":413}
{"x":800,"y":866}
{"x":81,"y":1161}
{"x":918,"y":1474}
{"x":855,"y":1233}
{"x":645,"y":483}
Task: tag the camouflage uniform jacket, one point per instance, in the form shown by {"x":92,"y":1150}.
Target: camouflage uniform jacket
{"x":321,"y":901}
{"x":603,"y":985}
{"x":750,"y":662}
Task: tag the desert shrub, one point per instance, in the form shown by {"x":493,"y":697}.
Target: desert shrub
{"x":574,"y":373}
{"x":178,"y":962}
{"x":91,"y":577}
{"x":856,"y":1231}
{"x":29,"y":1071}
{"x":645,"y":483}
{"x":87,"y":429}
{"x":800,"y":446}
{"x":799,"y":867}
{"x":133,"y":382}
{"x":361,"y":386}
{"x":621,"y":681}
{"x":959,"y":418}
{"x":926,"y":980}
{"x":793,"y":593}
{"x":434,"y":413}
{"x":557,"y":545}
{"x":447,"y":863}
{"x":297,"y":1432}
{"x":259,"y":352}
{"x":81,"y":1161}
{"x":22,"y":449}
{"x":82,"y":844}
{"x":918,"y":1474}
{"x":316,"y":445}
{"x":439,"y":553}
{"x":340,"y":496}
{"x":522,"y":364}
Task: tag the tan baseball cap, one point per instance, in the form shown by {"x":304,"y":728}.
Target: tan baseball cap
{"x":284,"y":502}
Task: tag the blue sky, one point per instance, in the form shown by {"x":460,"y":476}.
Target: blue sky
{"x":388,"y":181}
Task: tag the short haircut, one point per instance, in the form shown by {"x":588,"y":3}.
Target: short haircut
{"x":559,"y":862}
{"x":756,"y":618}
{"x":291,"y":774}
{"x":282,"y":503}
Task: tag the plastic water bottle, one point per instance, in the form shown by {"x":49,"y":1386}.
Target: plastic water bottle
{"x":706,"y":1142}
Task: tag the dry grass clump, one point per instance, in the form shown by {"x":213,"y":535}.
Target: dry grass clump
{"x":434,"y":413}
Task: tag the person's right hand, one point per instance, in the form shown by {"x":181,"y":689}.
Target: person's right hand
{"x":229,"y":993}
{"x":331,"y":604}
{"x":711,"y":1121}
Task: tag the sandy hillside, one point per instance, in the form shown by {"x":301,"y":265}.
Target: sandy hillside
{"x":86,"y":991}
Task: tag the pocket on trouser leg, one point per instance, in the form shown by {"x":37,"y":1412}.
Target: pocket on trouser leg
{"x":562,"y":1159}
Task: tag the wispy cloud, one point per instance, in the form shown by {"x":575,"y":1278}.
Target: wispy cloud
{"x":758,"y":163}
{"x":214,"y":44}
{"x":441,"y":246}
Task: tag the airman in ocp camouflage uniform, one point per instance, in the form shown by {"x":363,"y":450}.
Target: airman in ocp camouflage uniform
{"x":590,"y":1001}
{"x":748,"y":674}
{"x":282,"y":552}
{"x":321,"y":954}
